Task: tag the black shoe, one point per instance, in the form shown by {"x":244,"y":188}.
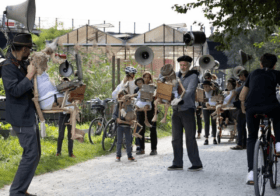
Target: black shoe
{"x":153,"y":152}
{"x":174,"y":167}
{"x":195,"y":168}
{"x":206,"y":142}
{"x":140,"y":152}
{"x":215,"y":141}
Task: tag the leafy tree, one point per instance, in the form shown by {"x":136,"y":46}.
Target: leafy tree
{"x":232,"y":13}
{"x":48,"y":34}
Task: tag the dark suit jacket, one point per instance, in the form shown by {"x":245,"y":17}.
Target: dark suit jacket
{"x":20,"y":109}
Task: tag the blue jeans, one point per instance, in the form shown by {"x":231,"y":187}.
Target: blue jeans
{"x":128,"y":139}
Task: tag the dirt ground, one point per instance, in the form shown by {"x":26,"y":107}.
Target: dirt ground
{"x":224,"y":174}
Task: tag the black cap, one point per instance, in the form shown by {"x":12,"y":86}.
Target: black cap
{"x":207,"y":83}
{"x":185,"y":58}
{"x":138,"y":80}
{"x":23,"y":39}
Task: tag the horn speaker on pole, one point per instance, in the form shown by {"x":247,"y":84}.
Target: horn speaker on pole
{"x":194,"y":38}
{"x":244,"y":57}
{"x":23,"y":13}
{"x":144,"y":55}
{"x":206,"y":62}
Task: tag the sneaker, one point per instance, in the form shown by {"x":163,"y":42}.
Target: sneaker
{"x":215,"y":141}
{"x":72,"y":155}
{"x":237,"y":147}
{"x":132,"y":159}
{"x":58,"y":154}
{"x":153,"y":152}
{"x":277,"y":146}
{"x":140,"y":152}
{"x":250,"y":178}
{"x":198,"y":136}
{"x":174,"y":167}
{"x":195,"y":168}
{"x":28,"y":194}
{"x":118,"y":159}
{"x":206,"y":142}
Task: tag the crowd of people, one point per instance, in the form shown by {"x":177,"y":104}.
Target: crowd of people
{"x":252,"y":93}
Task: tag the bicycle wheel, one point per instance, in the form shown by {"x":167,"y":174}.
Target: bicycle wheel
{"x":109,"y":136}
{"x":273,"y":160}
{"x":95,"y":128}
{"x":259,"y":169}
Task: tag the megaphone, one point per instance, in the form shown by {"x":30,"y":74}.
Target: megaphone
{"x":144,"y":55}
{"x":237,"y":70}
{"x":194,"y":38}
{"x":23,"y":13}
{"x":244,"y":57}
{"x":206,"y":62}
{"x":66,"y":69}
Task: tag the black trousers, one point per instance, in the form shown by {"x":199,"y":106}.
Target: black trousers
{"x":29,"y":140}
{"x":64,"y":118}
{"x":253,"y":128}
{"x":153,"y":129}
{"x":206,"y":115}
{"x":241,"y":129}
{"x":198,"y":120}
{"x":184,"y":120}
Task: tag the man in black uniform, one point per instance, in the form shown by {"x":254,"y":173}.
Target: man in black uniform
{"x":261,"y":90}
{"x":20,"y":110}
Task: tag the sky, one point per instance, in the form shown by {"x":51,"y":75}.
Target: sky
{"x":126,"y":11}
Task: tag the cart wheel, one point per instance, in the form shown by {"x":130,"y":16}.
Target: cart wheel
{"x":219,"y":139}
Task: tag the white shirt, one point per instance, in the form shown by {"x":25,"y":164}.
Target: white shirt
{"x":227,"y":98}
{"x":209,"y":96}
{"x":46,"y":91}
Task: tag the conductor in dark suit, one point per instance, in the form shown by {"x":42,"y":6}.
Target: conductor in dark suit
{"x":20,"y":110}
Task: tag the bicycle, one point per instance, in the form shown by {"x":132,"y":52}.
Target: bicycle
{"x":96,"y":126}
{"x":265,"y":159}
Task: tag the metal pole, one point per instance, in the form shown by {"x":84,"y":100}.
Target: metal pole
{"x":39,"y":22}
{"x":56,"y":22}
{"x":118,"y":70}
{"x":3,"y":21}
{"x":134,"y":27}
{"x":88,"y":22}
{"x":72,"y":23}
{"x":149,"y":26}
{"x":193,"y":56}
{"x":113,"y":73}
{"x":104,"y":27}
{"x":119,"y":27}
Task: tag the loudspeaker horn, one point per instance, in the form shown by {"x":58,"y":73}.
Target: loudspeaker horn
{"x":66,"y":69}
{"x":144,"y":55}
{"x":23,"y":13}
{"x":206,"y":62}
{"x":194,"y":38}
{"x":244,"y":57}
{"x":237,"y":70}
{"x":217,"y":64}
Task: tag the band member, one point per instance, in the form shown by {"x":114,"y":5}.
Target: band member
{"x":20,"y":110}
{"x":183,"y":117}
{"x":261,"y":82}
{"x":209,"y":92}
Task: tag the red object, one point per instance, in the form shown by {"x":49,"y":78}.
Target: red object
{"x":10,"y":24}
{"x":63,"y":56}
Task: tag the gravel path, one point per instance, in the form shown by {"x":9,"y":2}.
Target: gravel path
{"x":224,"y":174}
